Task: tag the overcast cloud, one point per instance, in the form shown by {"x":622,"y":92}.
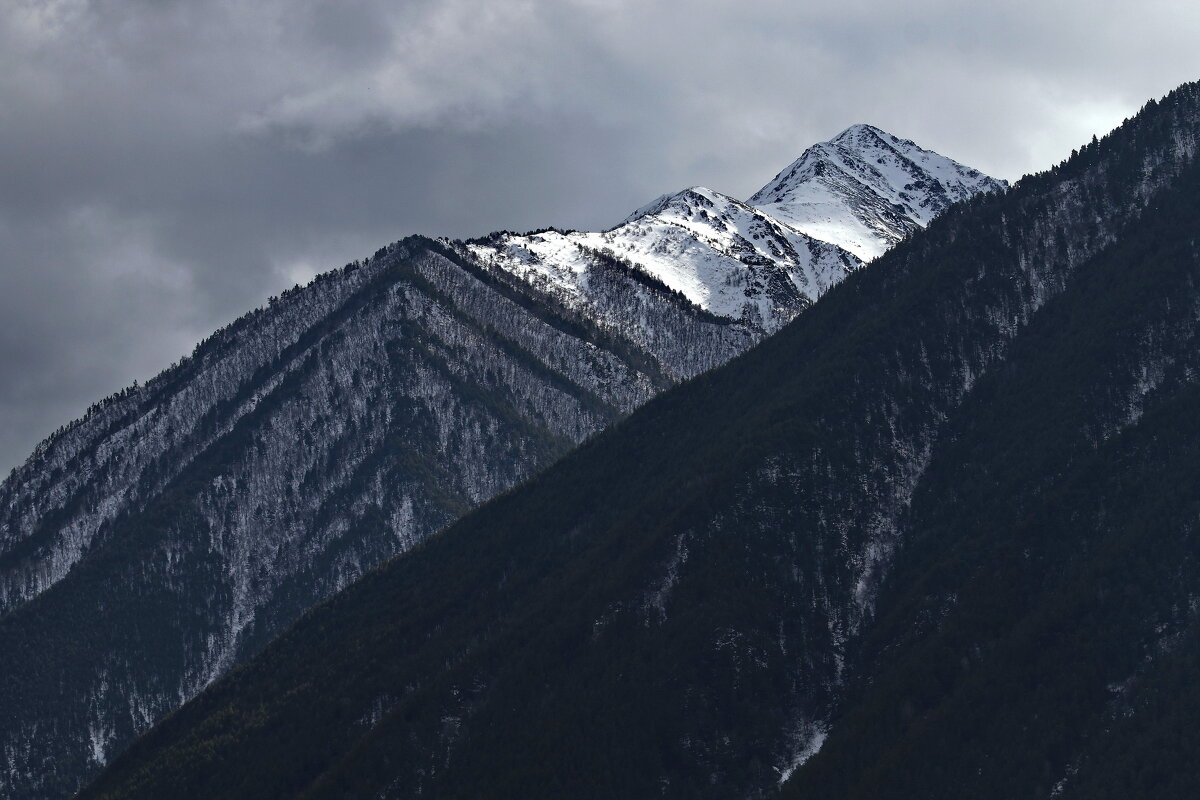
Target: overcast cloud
{"x":167,"y":164}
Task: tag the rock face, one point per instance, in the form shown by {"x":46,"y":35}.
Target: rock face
{"x":169,"y":534}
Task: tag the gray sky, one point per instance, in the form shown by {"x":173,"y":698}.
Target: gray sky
{"x":167,"y":164}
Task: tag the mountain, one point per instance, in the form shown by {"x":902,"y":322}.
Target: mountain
{"x":865,"y":189}
{"x":720,"y":254}
{"x":934,"y":538}
{"x":842,"y":203}
{"x":187,"y":521}
{"x":164,"y":538}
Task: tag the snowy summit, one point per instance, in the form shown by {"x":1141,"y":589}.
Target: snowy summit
{"x":760,"y":262}
{"x":866,"y":189}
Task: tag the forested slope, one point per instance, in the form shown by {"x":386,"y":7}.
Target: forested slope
{"x":898,"y":509}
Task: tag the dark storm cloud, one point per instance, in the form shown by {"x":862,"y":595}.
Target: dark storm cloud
{"x":164,"y":166}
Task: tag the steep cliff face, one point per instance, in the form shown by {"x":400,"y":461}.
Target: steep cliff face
{"x":168,"y":535}
{"x":737,"y":576}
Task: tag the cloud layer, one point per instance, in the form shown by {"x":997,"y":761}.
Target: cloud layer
{"x":167,"y":164}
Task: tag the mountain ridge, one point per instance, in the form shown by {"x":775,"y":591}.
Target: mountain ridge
{"x":763,"y":260}
{"x":695,"y":638}
{"x":191,"y":519}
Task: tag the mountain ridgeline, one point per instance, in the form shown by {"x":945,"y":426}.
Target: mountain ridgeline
{"x":151,"y":546}
{"x":936,"y":538}
{"x":201,"y":513}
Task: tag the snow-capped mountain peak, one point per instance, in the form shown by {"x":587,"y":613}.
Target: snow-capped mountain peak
{"x":866,"y":189}
{"x":722,"y":255}
{"x":759,"y":262}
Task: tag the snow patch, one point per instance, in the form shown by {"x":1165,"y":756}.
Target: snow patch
{"x":807,"y":740}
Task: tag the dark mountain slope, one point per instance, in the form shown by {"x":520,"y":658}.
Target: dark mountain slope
{"x":1052,"y":564}
{"x":671,"y":608}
